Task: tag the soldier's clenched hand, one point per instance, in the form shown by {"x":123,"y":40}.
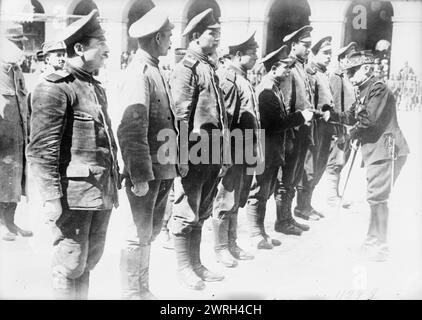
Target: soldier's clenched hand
{"x":140,"y":189}
{"x":52,"y":210}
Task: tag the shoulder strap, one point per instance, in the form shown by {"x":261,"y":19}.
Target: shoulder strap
{"x":342,"y":94}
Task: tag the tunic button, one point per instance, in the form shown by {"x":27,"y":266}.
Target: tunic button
{"x":168,"y":118}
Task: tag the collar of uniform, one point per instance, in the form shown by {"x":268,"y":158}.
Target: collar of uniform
{"x":238,"y":70}
{"x":80,"y":73}
{"x":199,"y":55}
{"x":298,"y":59}
{"x":148,"y":58}
{"x":339,"y":72}
{"x":319,"y":67}
{"x":366,"y":84}
{"x":273,"y":80}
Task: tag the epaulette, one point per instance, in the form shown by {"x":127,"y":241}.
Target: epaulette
{"x":190,"y":62}
{"x":56,"y":76}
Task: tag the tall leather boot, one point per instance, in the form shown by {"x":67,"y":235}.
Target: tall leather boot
{"x":186,"y":274}
{"x":9,"y":221}
{"x":130,"y":263}
{"x":221,"y":242}
{"x":234,"y":249}
{"x":284,"y":221}
{"x":255,"y":212}
{"x":82,"y":286}
{"x":382,"y":221}
{"x":144,"y":274}
{"x":200,"y":270}
{"x":376,"y":247}
{"x":303,"y":208}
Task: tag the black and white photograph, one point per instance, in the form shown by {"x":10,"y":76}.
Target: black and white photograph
{"x":210,"y":150}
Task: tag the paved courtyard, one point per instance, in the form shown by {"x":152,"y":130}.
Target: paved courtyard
{"x":324,"y":263}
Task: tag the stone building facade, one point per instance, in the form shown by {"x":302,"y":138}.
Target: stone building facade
{"x":367,"y":22}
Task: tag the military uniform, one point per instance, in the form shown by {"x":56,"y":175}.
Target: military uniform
{"x":14,"y":131}
{"x":298,"y":97}
{"x":198,"y":105}
{"x":376,"y":126}
{"x":318,"y":152}
{"x":243,"y":114}
{"x":344,"y":95}
{"x":73,"y":157}
{"x":148,"y":112}
{"x":276,"y":122}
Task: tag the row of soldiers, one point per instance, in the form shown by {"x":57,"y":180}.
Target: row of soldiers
{"x":287,"y":124}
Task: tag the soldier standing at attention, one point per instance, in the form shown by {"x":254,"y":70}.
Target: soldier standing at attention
{"x":322,"y":132}
{"x":384,"y":148}
{"x":148,"y":180}
{"x":242,"y":114}
{"x":199,"y":108}
{"x":73,"y":156}
{"x":14,"y":129}
{"x":275,"y":121}
{"x":343,"y":97}
{"x":298,"y":94}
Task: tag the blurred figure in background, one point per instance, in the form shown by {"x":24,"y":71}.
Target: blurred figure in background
{"x":14,"y":129}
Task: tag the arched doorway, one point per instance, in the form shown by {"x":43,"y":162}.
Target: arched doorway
{"x":284,"y":17}
{"x":34,"y":30}
{"x":369,"y":24}
{"x":137,"y":9}
{"x":195,"y":7}
{"x":83,"y":8}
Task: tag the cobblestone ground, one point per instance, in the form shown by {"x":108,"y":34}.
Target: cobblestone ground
{"x":324,"y":263}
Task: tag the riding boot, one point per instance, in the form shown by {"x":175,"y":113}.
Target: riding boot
{"x":284,"y":219}
{"x":195,"y":248}
{"x":186,"y":274}
{"x":234,"y":249}
{"x":221,"y":241}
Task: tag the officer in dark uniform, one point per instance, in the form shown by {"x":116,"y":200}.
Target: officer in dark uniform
{"x":242,"y":115}
{"x":298,"y":94}
{"x":275,"y":121}
{"x":344,"y":96}
{"x":384,"y":148}
{"x":14,"y":129}
{"x":318,"y":152}
{"x":73,"y":156}
{"x":148,"y":178}
{"x":199,"y":109}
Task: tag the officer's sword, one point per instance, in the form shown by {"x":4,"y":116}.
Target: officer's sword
{"x":391,"y":146}
{"x":355,"y":148}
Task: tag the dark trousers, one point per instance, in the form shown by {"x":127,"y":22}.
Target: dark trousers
{"x":147,"y":212}
{"x":79,"y":246}
{"x":233,"y":191}
{"x":7,"y":213}
{"x":316,"y":161}
{"x":261,"y":190}
{"x":193,"y":198}
{"x":291,"y":172}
